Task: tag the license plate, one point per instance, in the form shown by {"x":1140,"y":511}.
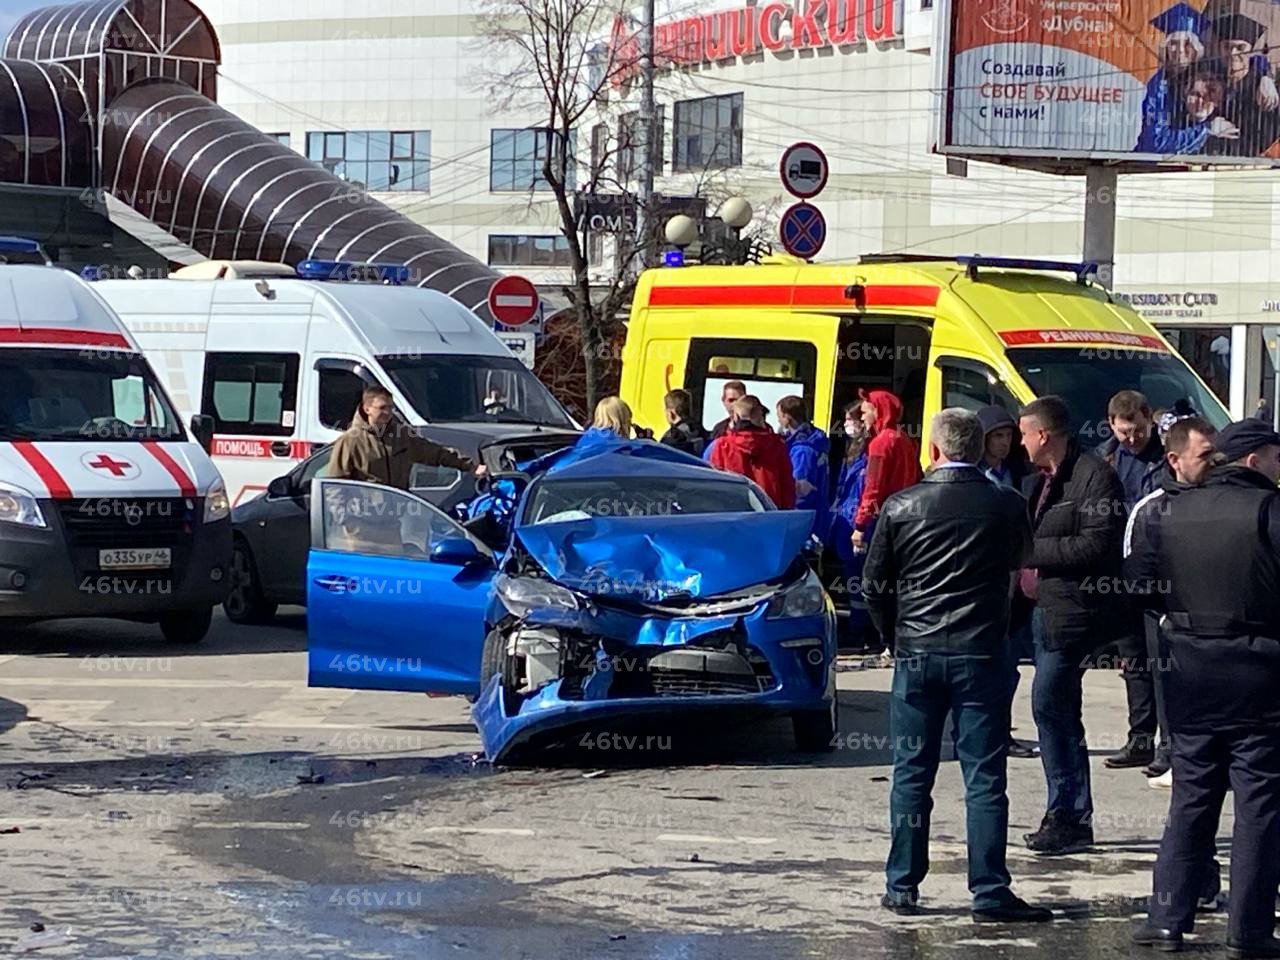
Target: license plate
{"x":135,"y":558}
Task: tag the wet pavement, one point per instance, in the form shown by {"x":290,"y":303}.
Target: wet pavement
{"x":204,"y":803}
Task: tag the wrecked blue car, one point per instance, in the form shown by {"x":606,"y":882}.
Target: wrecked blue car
{"x":633,"y":581}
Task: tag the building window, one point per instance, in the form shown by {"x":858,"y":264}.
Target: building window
{"x":926,"y":4}
{"x":630,"y":137}
{"x":516,"y":159}
{"x":375,"y":160}
{"x":280,"y":138}
{"x":708,"y":133}
{"x":599,"y":151}
{"x":523,"y":250}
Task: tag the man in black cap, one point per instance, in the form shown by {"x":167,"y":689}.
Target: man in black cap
{"x":1217,"y":566}
{"x":1005,"y":464}
{"x":1251,"y":100}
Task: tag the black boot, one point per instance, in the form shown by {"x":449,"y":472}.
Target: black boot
{"x":1136,"y":753}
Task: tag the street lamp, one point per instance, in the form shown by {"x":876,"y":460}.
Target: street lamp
{"x":682,"y":231}
{"x":736,"y":213}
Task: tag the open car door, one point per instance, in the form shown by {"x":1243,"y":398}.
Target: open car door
{"x":396,"y":592}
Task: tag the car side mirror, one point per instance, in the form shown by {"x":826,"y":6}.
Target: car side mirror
{"x":281,"y":487}
{"x":202,"y":427}
{"x":457,"y":551}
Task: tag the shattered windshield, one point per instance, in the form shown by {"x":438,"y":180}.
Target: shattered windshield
{"x":558,"y":500}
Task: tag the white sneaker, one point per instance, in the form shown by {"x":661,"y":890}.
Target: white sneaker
{"x":1162,"y":782}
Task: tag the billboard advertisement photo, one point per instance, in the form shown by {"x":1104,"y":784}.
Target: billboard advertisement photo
{"x":1137,"y":80}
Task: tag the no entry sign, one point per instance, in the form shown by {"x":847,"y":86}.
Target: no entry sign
{"x":513,"y":301}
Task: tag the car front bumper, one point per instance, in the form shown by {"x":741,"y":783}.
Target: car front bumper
{"x":53,"y":573}
{"x":793,"y":658}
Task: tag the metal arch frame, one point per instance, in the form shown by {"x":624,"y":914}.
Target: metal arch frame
{"x":26,"y":123}
{"x":62,"y":121}
{"x":261,"y":191}
{"x":234,"y":185}
{"x":266,"y":226}
{"x":204,"y":187}
{"x":327,"y":230}
{"x":364,"y":233}
{"x":31,"y":20}
{"x":84,"y":9}
{"x":124,"y":8}
{"x":128,"y":136}
{"x":78,"y":86}
{"x":113,"y":6}
{"x":177,"y":193}
{"x":342,"y":197}
{"x":383,"y":249}
{"x":57,"y":32}
{"x":164,"y":160}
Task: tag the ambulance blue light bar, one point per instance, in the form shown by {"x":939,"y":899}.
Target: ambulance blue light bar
{"x":1081,"y":270}
{"x":393,"y":273}
{"x":19,"y":245}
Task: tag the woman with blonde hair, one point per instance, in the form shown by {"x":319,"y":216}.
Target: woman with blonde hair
{"x":613,"y":414}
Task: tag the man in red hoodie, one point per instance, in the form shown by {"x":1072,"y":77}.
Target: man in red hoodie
{"x":750,"y":448}
{"x":893,"y":461}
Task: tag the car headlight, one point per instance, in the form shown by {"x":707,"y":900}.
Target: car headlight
{"x":804,"y":598}
{"x":19,"y":506}
{"x":216,"y":504}
{"x":524,"y":595}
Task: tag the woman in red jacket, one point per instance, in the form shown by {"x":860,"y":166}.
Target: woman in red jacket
{"x":893,"y":461}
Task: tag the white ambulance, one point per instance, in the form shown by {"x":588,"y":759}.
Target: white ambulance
{"x":108,"y":508}
{"x":278,"y":357}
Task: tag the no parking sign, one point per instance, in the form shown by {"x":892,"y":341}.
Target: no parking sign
{"x":804,"y":230}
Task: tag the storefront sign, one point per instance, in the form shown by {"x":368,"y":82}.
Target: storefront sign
{"x":756,"y":28}
{"x":1160,"y":305}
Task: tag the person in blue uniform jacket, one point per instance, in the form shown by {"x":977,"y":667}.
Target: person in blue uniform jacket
{"x":808,"y":448}
{"x":1167,"y":127}
{"x":848,"y":495}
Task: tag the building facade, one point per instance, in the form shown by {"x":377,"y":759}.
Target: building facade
{"x":405,"y":98}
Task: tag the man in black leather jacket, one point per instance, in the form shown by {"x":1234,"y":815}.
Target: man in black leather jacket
{"x":1216,"y":559}
{"x":1073,"y":575}
{"x":937,"y":583}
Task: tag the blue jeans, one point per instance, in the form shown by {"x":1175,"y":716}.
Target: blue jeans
{"x":926,"y":688}
{"x":1057,"y":703}
{"x":1020,"y":647}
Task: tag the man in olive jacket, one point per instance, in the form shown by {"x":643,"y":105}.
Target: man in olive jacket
{"x":1078,"y":517}
{"x":377,"y":451}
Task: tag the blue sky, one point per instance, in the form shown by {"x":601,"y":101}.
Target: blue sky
{"x":11,"y":10}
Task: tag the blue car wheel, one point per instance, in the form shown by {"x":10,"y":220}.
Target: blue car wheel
{"x":815,"y":730}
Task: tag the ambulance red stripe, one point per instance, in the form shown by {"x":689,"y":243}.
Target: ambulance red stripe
{"x":63,"y":337}
{"x":45,"y":470}
{"x":185,"y":483}
{"x":783,"y":295}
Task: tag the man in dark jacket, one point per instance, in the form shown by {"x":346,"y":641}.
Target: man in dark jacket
{"x":1134,"y":449}
{"x":1188,"y":460}
{"x":1217,"y":556}
{"x":1136,"y":454}
{"x":685,"y":432}
{"x":937,"y":583}
{"x":1005,"y":463}
{"x":1077,"y":513}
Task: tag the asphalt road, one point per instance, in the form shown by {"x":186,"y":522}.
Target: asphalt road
{"x":203,"y":802}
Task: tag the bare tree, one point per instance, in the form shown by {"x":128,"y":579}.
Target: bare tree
{"x":554,"y":62}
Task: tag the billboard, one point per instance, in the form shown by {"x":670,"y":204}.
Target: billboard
{"x":1135,"y":80}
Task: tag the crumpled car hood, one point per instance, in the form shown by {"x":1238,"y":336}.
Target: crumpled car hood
{"x":652,"y":559}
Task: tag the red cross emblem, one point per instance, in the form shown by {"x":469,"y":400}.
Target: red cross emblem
{"x":119,"y":469}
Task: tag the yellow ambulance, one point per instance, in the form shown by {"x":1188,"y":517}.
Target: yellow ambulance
{"x":938,"y":332}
